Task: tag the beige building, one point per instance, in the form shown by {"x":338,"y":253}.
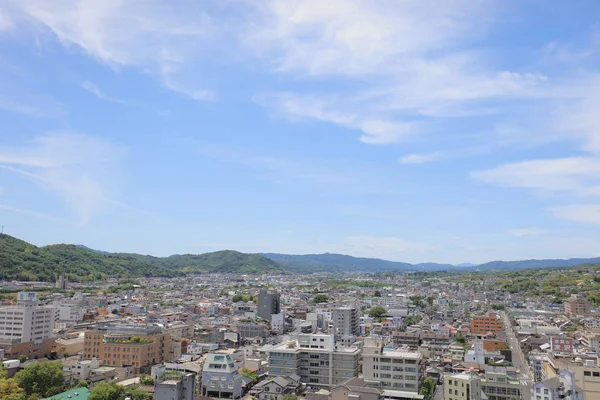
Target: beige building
{"x":463,"y":386}
{"x":399,"y":370}
{"x":577,"y":305}
{"x":128,"y":345}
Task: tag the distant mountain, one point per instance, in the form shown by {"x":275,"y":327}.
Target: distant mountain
{"x":465,"y":265}
{"x":20,"y":260}
{"x":526,"y":264}
{"x":341,"y":263}
{"x":329,"y":262}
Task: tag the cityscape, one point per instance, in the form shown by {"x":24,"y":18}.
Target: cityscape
{"x":299,"y":200}
{"x":426,"y":335}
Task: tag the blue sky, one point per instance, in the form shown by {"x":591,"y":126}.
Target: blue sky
{"x":448,"y":131}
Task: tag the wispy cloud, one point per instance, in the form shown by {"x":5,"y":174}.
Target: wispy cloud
{"x":36,"y":106}
{"x":151,"y":35}
{"x":584,"y":213}
{"x":81,"y":170}
{"x":524,"y":232}
{"x":5,"y":22}
{"x":420,"y":158}
{"x":31,"y":213}
{"x":96,"y":91}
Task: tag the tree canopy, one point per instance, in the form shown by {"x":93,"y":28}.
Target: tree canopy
{"x":377,"y":312}
{"x":321,"y":298}
{"x":43,"y":378}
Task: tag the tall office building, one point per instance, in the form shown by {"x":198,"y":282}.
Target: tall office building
{"x":268,"y":304}
{"x":62,"y":282}
{"x":346,"y":321}
{"x":26,"y":328}
{"x":392,"y":369}
{"x":316,"y":358}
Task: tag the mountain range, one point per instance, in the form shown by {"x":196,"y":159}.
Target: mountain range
{"x":20,"y":260}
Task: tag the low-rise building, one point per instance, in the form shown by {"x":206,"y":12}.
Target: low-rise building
{"x":220,"y":377}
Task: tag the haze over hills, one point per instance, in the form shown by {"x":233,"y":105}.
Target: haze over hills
{"x":20,"y":260}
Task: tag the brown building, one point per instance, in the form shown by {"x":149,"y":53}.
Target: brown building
{"x":39,"y":349}
{"x":482,"y":324}
{"x":134,"y":346}
{"x":577,"y":305}
{"x":493,"y":345}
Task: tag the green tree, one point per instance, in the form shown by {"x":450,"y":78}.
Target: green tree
{"x":460,"y":339}
{"x":146,"y":380}
{"x":430,"y":300}
{"x":428,"y":388}
{"x":321,"y":298}
{"x":42,"y":378}
{"x":82,"y":384}
{"x":107,"y":391}
{"x":377,"y":293}
{"x":10,"y":390}
{"x":377,"y":312}
{"x":249,"y":374}
{"x":22,"y":359}
{"x":289,"y":397}
{"x":136,"y":394}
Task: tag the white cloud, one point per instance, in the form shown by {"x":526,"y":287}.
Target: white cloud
{"x":524,"y":232}
{"x":578,"y":176}
{"x":26,"y":211}
{"x":36,"y":106}
{"x":420,"y":158}
{"x":152,"y":35}
{"x":96,"y":91}
{"x":81,"y":170}
{"x":584,"y":213}
{"x":5,"y":22}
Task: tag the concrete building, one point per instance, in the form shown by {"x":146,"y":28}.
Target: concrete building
{"x":577,"y":305}
{"x":26,"y":328}
{"x":392,"y":369}
{"x":62,"y":282}
{"x":220,"y":377}
{"x":278,"y":323}
{"x":497,"y":384}
{"x":346,"y":321}
{"x":175,"y":386}
{"x":138,"y":346}
{"x":268,"y":304}
{"x":316,"y":358}
{"x":560,"y":387}
{"x":79,"y":370}
{"x":251,"y":330}
{"x":482,"y":324}
{"x":462,"y":386}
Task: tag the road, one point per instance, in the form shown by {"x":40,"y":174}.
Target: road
{"x":518,"y":358}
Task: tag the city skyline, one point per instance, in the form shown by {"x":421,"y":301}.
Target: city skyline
{"x":413,"y":131}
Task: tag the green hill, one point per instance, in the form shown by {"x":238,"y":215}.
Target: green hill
{"x":20,"y":260}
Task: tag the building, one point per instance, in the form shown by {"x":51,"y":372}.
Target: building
{"x":268,"y":304}
{"x":346,"y":321}
{"x":175,"y":386}
{"x":356,"y":389}
{"x":392,"y":369}
{"x":482,"y":324}
{"x":559,"y":387}
{"x":73,"y":394}
{"x":577,"y":304}
{"x":251,"y":330}
{"x":137,"y":346}
{"x":62,"y":282}
{"x":278,"y":323}
{"x":79,"y":370}
{"x":498,"y":384}
{"x":276,"y":388}
{"x":316,"y":358}
{"x":220,"y":377}
{"x":26,"y":328}
{"x":562,"y":345}
{"x":462,"y":386}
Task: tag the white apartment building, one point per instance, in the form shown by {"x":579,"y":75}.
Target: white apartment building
{"x":392,"y":369}
{"x":345,"y":321}
{"x":26,"y":321}
{"x":316,"y":358}
{"x":560,"y":387}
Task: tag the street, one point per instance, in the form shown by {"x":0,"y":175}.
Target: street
{"x":517,"y":354}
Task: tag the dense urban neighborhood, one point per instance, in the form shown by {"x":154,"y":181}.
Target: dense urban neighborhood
{"x":442,"y":335}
